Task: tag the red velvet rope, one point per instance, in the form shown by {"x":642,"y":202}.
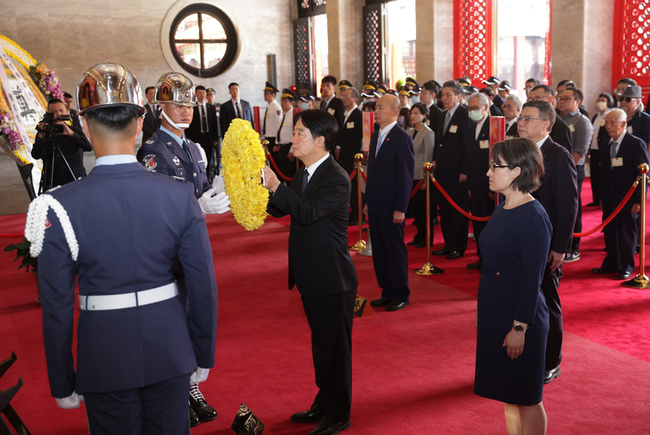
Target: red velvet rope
{"x":454,"y":205}
{"x":365,"y":178}
{"x":612,"y":216}
{"x":11,"y":236}
{"x":353,"y":174}
{"x":415,"y":190}
{"x":276,"y":168}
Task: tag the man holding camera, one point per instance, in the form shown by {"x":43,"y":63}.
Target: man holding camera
{"x":61,"y":144}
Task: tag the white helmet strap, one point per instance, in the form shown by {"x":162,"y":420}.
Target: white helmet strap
{"x":179,"y":126}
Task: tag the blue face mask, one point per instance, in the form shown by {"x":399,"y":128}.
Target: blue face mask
{"x":304,"y":105}
{"x":415,"y":99}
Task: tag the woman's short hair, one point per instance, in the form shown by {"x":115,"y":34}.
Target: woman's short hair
{"x":609,"y":98}
{"x":525,"y":154}
{"x":320,"y":123}
{"x":422,"y":108}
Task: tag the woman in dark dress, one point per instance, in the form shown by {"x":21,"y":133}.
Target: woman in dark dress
{"x":512,"y":316}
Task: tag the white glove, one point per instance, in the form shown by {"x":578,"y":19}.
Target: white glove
{"x":219,"y":184}
{"x":199,"y":375}
{"x":71,"y":402}
{"x":214,"y":204}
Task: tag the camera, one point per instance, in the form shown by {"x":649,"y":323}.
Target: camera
{"x":50,"y":127}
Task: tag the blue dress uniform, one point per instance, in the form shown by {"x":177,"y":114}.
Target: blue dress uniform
{"x":131,"y":227}
{"x":163,"y":154}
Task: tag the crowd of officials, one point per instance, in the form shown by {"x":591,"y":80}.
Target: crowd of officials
{"x":537,"y":173}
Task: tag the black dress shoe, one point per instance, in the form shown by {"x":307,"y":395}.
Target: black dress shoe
{"x":412,"y":243}
{"x":200,"y":406}
{"x":379,"y":302}
{"x":194,"y":419}
{"x":474,"y":266}
{"x":443,"y":251}
{"x":549,"y":375}
{"x":396,"y":306}
{"x":593,"y":204}
{"x":624,"y":275}
{"x":327,"y":427}
{"x":601,"y":271}
{"x":421,"y":244}
{"x":452,"y":255}
{"x":312,"y":415}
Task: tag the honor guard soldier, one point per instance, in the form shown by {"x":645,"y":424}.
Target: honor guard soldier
{"x":272,"y":117}
{"x":344,"y":84}
{"x":306,"y":101}
{"x":170,"y":153}
{"x":118,"y":233}
{"x":286,"y":161}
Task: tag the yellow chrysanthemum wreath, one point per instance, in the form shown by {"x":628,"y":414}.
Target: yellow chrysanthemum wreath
{"x":242,"y":157}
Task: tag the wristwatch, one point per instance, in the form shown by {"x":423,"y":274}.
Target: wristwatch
{"x":519,"y":327}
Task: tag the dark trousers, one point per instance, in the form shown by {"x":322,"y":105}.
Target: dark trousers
{"x":454,"y":226}
{"x":575,"y":245}
{"x":208,"y":147}
{"x":159,"y":408}
{"x":287,"y":167}
{"x":550,"y":285}
{"x":594,"y":169}
{"x":389,"y":256}
{"x":418,"y":207}
{"x":354,"y":199}
{"x":480,"y":209}
{"x":330,"y":320}
{"x":620,"y":239}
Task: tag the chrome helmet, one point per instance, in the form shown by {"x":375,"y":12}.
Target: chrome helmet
{"x":175,"y":88}
{"x":108,"y":84}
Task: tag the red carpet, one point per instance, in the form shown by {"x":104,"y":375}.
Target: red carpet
{"x":413,"y":369}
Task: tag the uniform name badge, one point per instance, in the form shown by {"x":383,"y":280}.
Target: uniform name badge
{"x":572,"y":129}
{"x":617,"y":162}
{"x":484,"y":144}
{"x":453,"y":129}
{"x":630,"y":129}
{"x":330,"y":111}
{"x":350,"y":124}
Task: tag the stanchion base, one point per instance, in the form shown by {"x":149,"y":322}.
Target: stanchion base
{"x":639,"y":281}
{"x":428,"y":269}
{"x":361,"y":244}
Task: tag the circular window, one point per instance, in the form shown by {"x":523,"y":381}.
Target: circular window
{"x":203,"y":40}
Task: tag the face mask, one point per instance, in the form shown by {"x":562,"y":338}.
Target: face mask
{"x":475,"y":115}
{"x":179,"y":126}
{"x":415,"y":99}
{"x":601,"y":105}
{"x":304,"y":106}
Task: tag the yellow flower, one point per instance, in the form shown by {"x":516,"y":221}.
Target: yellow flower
{"x":243,"y":158}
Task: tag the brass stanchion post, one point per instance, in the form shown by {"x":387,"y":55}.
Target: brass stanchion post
{"x":428,"y":268}
{"x":361,"y":244}
{"x":641,"y":281}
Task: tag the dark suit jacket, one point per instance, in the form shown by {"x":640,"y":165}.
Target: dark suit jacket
{"x":193,"y":132}
{"x":350,"y":137}
{"x":319,"y":261}
{"x":228,"y":113}
{"x":390,"y":173}
{"x":132,"y":228}
{"x":337,"y":109}
{"x":559,"y":193}
{"x":561,"y":134}
{"x":151,"y":122}
{"x":479,"y":160}
{"x":498,"y":101}
{"x":435,"y":121}
{"x":512,"y":131}
{"x":451,"y":153}
{"x":616,"y":181}
{"x":495,"y":111}
{"x":603,"y":137}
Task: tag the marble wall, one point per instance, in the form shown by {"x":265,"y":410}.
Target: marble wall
{"x":71,"y":35}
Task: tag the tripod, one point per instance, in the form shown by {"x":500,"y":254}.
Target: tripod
{"x":52,"y":145}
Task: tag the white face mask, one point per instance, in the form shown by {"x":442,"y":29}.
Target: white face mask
{"x":415,"y":99}
{"x":475,"y":115}
{"x":304,"y":105}
{"x":179,"y":126}
{"x":601,"y":105}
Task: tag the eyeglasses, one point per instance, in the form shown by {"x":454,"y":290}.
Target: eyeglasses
{"x":506,"y":106}
{"x":626,"y":99}
{"x":565,"y":98}
{"x":494,"y":166}
{"x":527,"y":119}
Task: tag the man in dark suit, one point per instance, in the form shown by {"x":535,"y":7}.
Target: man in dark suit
{"x":390,"y":176}
{"x":428,"y":96}
{"x":559,"y":196}
{"x":560,"y":132}
{"x":349,"y":143}
{"x":620,"y":158}
{"x":329,"y":101}
{"x":62,"y":154}
{"x":450,"y":169}
{"x":204,"y":129}
{"x":511,"y":110}
{"x":234,"y":108}
{"x":320,"y":264}
{"x":490,"y":94}
{"x":481,"y":200}
{"x":137,"y":352}
{"x":152,"y":115}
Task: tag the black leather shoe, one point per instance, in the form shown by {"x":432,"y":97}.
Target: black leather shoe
{"x":194,"y":419}
{"x":474,"y":266}
{"x":396,"y":306}
{"x":312,"y":415}
{"x":412,"y":243}
{"x":624,"y":275}
{"x":549,"y":375}
{"x":452,"y":255}
{"x":443,"y":251}
{"x":200,"y":406}
{"x":379,"y":302}
{"x":593,"y":204}
{"x":601,"y":271}
{"x":327,"y":427}
{"x":421,"y":244}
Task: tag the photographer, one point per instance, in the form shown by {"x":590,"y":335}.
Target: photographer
{"x":61,"y":142}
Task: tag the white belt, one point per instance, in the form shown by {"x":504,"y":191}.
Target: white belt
{"x":128,"y":300}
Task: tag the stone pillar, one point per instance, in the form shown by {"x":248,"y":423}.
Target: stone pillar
{"x":345,"y":40}
{"x":434,"y":45}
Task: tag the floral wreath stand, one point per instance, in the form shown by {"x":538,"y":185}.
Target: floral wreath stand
{"x":25,"y":88}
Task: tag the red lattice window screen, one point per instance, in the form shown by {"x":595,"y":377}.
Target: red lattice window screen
{"x":473,"y":39}
{"x":631,"y":41}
